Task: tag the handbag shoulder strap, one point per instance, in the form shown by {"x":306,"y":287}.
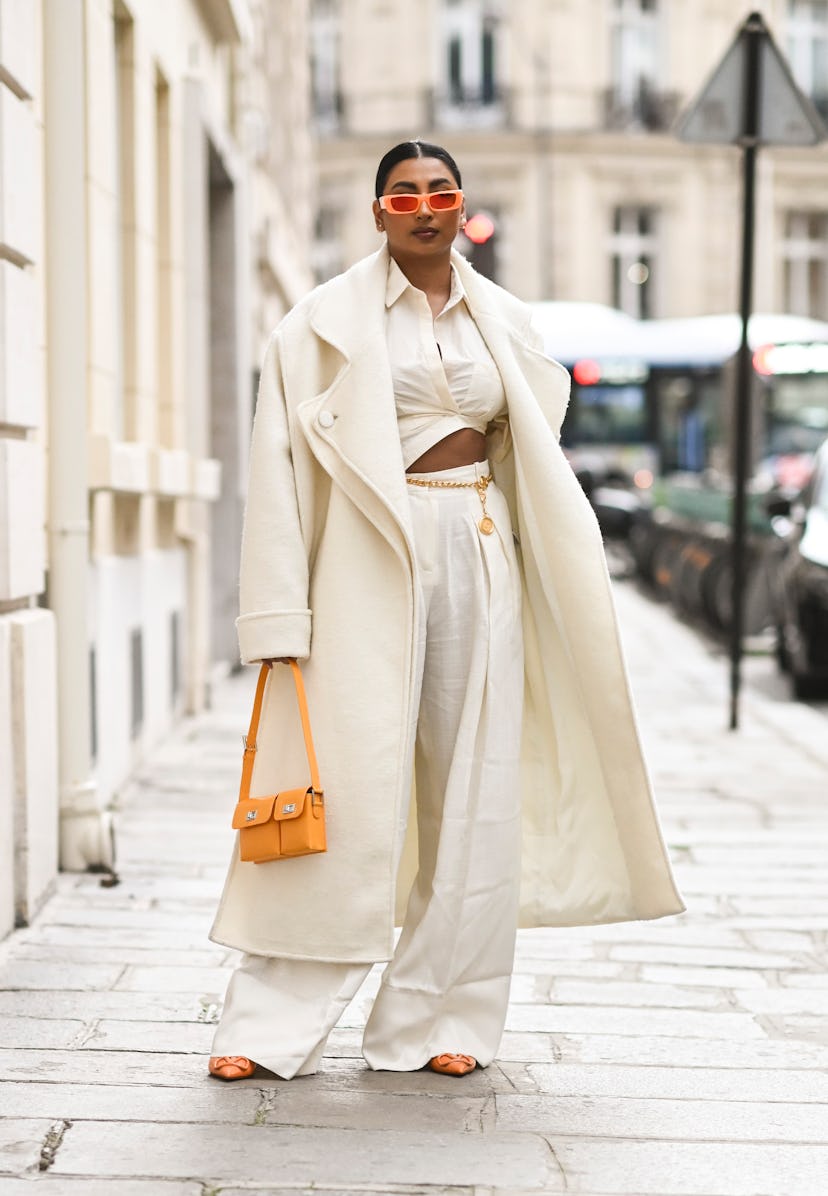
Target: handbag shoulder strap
{"x":250,"y":739}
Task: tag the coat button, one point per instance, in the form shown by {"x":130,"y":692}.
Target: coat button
{"x":326,"y":419}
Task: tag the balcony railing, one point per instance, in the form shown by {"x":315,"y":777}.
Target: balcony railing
{"x":646,"y":108}
{"x":469,"y":108}
{"x":437,"y":108}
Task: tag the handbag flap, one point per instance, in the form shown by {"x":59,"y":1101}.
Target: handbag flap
{"x":289,"y":804}
{"x":281,"y":807}
{"x":253,"y":811}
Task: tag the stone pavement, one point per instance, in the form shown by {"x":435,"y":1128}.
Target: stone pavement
{"x":685,"y":1057}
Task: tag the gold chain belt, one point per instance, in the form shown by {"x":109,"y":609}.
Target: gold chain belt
{"x":486,"y":524}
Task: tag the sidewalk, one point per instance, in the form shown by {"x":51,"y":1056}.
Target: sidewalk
{"x":685,"y":1057}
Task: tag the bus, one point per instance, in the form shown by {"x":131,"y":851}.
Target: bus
{"x":652,"y":398}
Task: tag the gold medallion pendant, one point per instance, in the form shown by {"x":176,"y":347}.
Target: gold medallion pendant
{"x":486,"y":524}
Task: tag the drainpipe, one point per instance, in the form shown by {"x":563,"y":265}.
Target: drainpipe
{"x":86,"y":833}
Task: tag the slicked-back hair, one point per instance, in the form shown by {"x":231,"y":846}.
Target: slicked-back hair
{"x":412,"y":149}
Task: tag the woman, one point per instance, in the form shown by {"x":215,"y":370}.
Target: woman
{"x":414,"y":534}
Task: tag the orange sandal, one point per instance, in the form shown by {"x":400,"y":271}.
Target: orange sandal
{"x":231,"y":1067}
{"x":453,"y":1065}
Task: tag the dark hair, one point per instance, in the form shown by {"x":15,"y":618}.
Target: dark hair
{"x":412,"y":149}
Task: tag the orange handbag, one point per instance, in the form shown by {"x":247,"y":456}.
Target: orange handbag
{"x":283,"y":824}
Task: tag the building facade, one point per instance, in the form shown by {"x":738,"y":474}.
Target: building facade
{"x":150,"y":235}
{"x":559,"y":114}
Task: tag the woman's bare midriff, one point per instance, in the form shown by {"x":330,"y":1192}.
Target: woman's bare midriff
{"x":463,"y":447}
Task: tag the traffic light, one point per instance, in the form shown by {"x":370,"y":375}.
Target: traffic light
{"x":479,"y":228}
{"x":481,"y":232}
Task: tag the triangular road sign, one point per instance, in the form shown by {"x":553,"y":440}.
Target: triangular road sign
{"x":786,"y":114}
{"x":719,"y":114}
{"x":715,"y":116}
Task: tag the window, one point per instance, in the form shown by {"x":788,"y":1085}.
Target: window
{"x":634,"y":96}
{"x":611,"y":415}
{"x":468,"y":85}
{"x":808,"y":48}
{"x":805,"y":264}
{"x":633,"y":255}
{"x":325,"y":64}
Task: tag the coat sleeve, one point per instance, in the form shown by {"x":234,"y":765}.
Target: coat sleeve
{"x":274,"y":617}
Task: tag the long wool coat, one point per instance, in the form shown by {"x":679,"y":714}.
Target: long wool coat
{"x":327,"y":576}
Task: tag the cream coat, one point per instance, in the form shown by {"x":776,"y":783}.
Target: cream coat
{"x":327,"y":576}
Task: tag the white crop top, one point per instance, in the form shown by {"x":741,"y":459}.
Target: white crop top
{"x":444,"y":376}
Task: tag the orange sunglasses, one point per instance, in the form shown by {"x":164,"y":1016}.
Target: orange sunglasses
{"x":404,"y":204}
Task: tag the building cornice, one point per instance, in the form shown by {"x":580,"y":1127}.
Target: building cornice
{"x":229,"y":21}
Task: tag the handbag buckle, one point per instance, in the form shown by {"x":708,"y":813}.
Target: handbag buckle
{"x":317,"y":798}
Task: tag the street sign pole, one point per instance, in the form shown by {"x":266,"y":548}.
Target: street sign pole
{"x":742,"y":420}
{"x":751,"y":99}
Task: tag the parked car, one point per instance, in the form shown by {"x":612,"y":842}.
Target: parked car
{"x":614,"y":497}
{"x":800,"y":582}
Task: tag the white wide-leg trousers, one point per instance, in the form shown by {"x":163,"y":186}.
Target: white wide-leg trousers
{"x":447,"y":986}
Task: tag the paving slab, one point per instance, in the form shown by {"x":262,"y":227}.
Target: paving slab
{"x":427,"y":1112}
{"x":786,"y":1085}
{"x":153,"y":978}
{"x":138,"y":957}
{"x":58,"y":1099}
{"x":309,"y":1155}
{"x":603,"y":969}
{"x":23,"y":974}
{"x":690,"y":977}
{"x":51,"y":1033}
{"x":48,"y":1185}
{"x":805,"y":980}
{"x":664,"y":1120}
{"x":613,"y":1168}
{"x":784,"y":1000}
{"x":141,"y":917}
{"x":159,"y":1037}
{"x":169,"y":1006}
{"x":709,"y":957}
{"x":634,"y":995}
{"x":770,"y":1052}
{"x":380,"y":1189}
{"x":629,"y":1022}
{"x":71,"y":937}
{"x":103,"y":1067}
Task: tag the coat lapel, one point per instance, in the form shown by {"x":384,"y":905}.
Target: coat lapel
{"x":351,"y":426}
